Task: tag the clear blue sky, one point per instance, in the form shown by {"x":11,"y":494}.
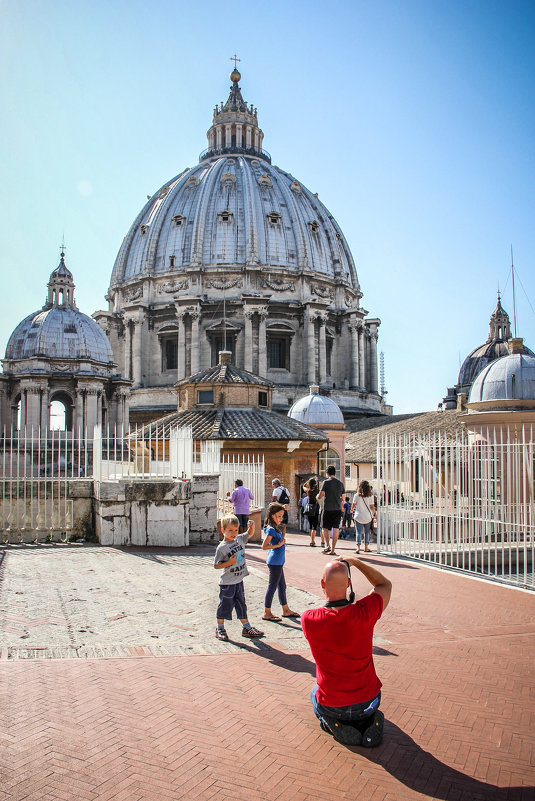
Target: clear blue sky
{"x":413,"y":120}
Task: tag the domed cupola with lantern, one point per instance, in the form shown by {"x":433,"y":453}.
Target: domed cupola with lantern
{"x":59,"y":370}
{"x":237,"y":254}
{"x":494,"y":348}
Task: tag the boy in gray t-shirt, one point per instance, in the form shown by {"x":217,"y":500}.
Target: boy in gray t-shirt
{"x":230,"y":558}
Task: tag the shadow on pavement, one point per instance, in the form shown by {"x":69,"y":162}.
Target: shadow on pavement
{"x":295,"y":663}
{"x":419,"y":770}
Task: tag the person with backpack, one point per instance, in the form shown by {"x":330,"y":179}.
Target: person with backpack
{"x":312,"y":508}
{"x":282,"y":496}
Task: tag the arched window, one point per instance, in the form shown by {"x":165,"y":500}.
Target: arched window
{"x":326,"y":458}
{"x":60,"y":413}
{"x":57,"y":416}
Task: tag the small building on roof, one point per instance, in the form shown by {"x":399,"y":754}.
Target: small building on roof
{"x":232,"y":408}
{"x":361,"y":443}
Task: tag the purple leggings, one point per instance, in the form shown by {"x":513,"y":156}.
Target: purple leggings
{"x":276,"y":582}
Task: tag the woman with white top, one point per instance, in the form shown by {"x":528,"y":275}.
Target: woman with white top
{"x":363,"y":511}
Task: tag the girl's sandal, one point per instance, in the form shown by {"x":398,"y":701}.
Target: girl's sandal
{"x":273,"y":618}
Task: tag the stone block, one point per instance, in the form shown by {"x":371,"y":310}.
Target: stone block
{"x":138,"y":528}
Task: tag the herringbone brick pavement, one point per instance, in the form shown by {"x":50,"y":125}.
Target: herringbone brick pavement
{"x":456,"y":660}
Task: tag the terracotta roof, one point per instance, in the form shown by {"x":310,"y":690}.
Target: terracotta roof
{"x":361,"y":445}
{"x":234,"y":424}
{"x":224,"y":374}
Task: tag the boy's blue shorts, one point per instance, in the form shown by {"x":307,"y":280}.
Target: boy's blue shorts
{"x":231,"y":596}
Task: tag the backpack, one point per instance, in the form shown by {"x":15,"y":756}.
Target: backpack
{"x":284,"y":498}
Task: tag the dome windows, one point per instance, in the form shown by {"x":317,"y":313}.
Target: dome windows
{"x":314,"y":226}
{"x":143,"y":229}
{"x":178,"y":219}
{"x":228,"y":179}
{"x":225,"y":216}
{"x":296,"y":187}
{"x":192,"y":182}
{"x":265,"y":180}
{"x":274,"y":217}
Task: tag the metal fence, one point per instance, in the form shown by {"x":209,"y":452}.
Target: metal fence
{"x":463,"y":501}
{"x":250,"y":469}
{"x":39,"y":467}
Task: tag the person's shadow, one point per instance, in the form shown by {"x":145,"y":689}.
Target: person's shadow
{"x":400,"y":756}
{"x":419,"y":770}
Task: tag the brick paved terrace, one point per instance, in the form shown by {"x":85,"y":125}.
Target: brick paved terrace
{"x":113,"y":686}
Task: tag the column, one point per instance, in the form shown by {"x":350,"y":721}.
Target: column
{"x":195,"y":344}
{"x":322,"y":355}
{"x":128,"y":348}
{"x":136,"y":351}
{"x":91,"y":409}
{"x":373,"y":361}
{"x":78,"y":421}
{"x":262,"y":343}
{"x":248,"y":344}
{"x":248,"y":137}
{"x":228,"y":135}
{"x":119,"y":410}
{"x":310,"y":322}
{"x":45,"y":409}
{"x":354,"y":377}
{"x":362,"y":359}
{"x":219,"y":133}
{"x":239,"y":134}
{"x":181,"y":355}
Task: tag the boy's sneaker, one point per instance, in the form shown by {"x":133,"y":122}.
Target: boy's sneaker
{"x":252,"y":633}
{"x":221,"y":634}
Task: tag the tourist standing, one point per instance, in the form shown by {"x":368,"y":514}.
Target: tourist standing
{"x":282,"y":496}
{"x":312,"y":507}
{"x":241,"y":499}
{"x":275,"y":543}
{"x":363,"y":510}
{"x":332,"y":490}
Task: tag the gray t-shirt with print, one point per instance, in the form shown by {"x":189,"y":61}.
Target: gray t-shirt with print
{"x":224,"y":551}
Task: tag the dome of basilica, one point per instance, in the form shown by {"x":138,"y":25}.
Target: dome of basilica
{"x":59,"y":330}
{"x":236,"y":254}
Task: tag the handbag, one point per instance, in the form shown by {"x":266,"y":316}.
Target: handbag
{"x":311,"y":509}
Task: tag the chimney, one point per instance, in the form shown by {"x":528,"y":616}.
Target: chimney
{"x":462,"y":397}
{"x":314,"y":389}
{"x":225,"y":356}
{"x":516,"y":345}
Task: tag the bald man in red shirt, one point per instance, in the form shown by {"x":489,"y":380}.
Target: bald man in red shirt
{"x":347,"y":695}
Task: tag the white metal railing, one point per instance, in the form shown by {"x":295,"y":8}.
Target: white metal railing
{"x":143,"y":452}
{"x":38,"y":466}
{"x":250,"y":469}
{"x":464,"y":501}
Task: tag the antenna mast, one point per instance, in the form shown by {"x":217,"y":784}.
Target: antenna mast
{"x":514,"y":295}
{"x":384,"y":390}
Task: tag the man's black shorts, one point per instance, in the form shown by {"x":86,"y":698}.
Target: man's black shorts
{"x":331,"y":519}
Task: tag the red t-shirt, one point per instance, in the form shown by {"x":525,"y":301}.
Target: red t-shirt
{"x":341,"y":639}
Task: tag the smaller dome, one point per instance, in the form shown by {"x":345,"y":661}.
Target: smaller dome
{"x":316,"y":409}
{"x":511,"y":378}
{"x":60,"y":330}
{"x":59,"y":334}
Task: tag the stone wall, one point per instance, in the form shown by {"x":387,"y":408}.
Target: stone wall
{"x":144,"y":512}
{"x":203,"y":509}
